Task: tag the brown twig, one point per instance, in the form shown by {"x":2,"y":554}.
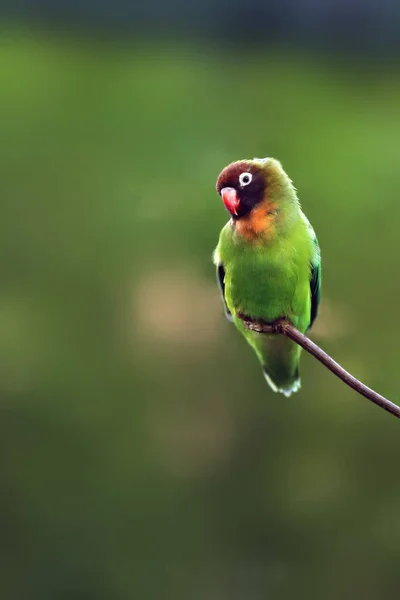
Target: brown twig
{"x":282,"y":326}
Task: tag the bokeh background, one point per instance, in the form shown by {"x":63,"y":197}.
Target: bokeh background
{"x":141,"y":453}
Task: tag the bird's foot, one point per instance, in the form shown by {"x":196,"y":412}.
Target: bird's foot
{"x":261,"y":326}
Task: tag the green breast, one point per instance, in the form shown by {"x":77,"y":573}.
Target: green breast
{"x":270,"y":280}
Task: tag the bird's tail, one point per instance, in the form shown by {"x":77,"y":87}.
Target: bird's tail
{"x":286,"y":387}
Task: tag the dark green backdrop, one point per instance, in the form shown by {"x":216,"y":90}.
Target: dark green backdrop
{"x":141,"y":453}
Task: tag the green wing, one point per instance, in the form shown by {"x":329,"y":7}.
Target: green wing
{"x":221,"y":283}
{"x":315,"y":284}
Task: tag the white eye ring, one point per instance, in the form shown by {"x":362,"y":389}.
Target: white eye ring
{"x":245,"y":178}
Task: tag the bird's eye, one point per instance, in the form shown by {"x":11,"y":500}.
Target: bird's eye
{"x":245,"y":178}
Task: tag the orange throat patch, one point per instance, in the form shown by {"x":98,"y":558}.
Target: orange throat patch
{"x":258,"y":223}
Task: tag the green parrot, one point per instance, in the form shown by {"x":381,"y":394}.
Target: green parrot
{"x":268,"y":263}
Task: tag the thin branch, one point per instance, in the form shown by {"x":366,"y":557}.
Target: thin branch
{"x":282,"y":326}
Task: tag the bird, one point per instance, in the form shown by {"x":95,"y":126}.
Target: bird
{"x":268,"y":263}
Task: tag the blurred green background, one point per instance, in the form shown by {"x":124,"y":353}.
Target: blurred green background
{"x":142,"y":454}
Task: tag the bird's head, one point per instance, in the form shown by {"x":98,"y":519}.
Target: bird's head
{"x":246,"y":184}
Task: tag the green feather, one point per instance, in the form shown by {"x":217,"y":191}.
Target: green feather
{"x":278,"y":274}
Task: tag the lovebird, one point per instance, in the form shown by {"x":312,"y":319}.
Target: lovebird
{"x":268,"y":263}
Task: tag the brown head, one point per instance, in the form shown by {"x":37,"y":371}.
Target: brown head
{"x":245,"y":184}
{"x":259,"y":196}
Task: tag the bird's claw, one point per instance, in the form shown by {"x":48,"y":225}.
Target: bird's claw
{"x":260,"y":326}
{"x":254,"y":326}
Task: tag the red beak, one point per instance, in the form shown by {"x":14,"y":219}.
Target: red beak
{"x":230,"y":199}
